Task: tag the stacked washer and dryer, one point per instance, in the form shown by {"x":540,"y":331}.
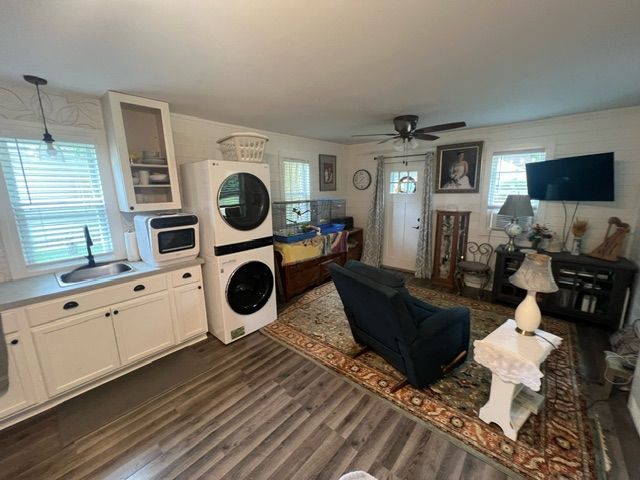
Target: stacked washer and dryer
{"x":233,"y":202}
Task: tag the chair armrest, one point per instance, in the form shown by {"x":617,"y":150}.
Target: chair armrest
{"x":442,"y":321}
{"x":417,"y":303}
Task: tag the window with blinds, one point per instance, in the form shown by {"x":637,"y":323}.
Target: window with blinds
{"x":509,"y":177}
{"x":52,"y":200}
{"x":297,"y":186}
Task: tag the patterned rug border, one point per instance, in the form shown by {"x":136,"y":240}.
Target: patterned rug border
{"x":410,"y":400}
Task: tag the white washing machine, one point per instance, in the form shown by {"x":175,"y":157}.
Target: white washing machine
{"x":231,"y":199}
{"x":240,"y":292}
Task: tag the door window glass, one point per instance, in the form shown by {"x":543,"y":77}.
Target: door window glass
{"x":403,"y":182}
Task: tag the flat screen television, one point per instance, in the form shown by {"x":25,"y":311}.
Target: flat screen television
{"x":583,"y":178}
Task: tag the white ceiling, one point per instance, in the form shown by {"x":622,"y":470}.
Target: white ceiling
{"x":331,"y":68}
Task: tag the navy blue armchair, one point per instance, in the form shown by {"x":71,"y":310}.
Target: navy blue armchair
{"x":422,"y":341}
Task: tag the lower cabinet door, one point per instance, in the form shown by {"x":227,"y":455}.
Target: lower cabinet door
{"x":143,"y":326}
{"x":190,"y":310}
{"x":20,"y":394}
{"x":76,"y":350}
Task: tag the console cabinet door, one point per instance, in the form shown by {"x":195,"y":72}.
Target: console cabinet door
{"x":20,"y":394}
{"x":190,"y":310}
{"x":76,"y":350}
{"x":143,"y":326}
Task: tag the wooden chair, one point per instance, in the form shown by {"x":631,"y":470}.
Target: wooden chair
{"x":474,"y":263}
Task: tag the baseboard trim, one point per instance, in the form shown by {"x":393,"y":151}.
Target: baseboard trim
{"x":634,"y":409}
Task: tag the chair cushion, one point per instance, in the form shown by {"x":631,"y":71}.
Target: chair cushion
{"x":473,"y":266}
{"x":389,"y":279}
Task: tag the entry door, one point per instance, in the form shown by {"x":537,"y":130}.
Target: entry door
{"x":403,"y":196}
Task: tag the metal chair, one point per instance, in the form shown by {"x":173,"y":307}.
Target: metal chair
{"x":474,"y":263}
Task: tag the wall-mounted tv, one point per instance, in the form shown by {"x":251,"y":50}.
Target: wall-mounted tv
{"x":583,"y":178}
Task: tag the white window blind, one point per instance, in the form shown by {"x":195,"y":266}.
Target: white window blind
{"x":297,"y":186}
{"x":52,"y":200}
{"x":509,"y":177}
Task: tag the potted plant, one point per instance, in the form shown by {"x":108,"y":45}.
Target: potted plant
{"x":538,"y":233}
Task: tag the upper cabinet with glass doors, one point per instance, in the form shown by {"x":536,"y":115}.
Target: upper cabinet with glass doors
{"x":142,"y":156}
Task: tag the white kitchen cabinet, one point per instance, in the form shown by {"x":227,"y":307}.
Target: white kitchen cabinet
{"x":191,"y":314}
{"x":143,"y":326}
{"x":135,"y":125}
{"x":56,"y":353}
{"x":21,"y":392}
{"x":76,"y":350}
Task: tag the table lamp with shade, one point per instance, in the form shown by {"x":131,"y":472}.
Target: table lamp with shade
{"x":515,"y":206}
{"x":534,"y":275}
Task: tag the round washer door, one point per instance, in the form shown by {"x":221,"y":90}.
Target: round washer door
{"x":250,"y":288}
{"x":243,"y":201}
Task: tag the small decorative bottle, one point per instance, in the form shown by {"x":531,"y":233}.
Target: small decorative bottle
{"x":577,"y":246}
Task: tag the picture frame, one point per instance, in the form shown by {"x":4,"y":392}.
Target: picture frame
{"x":327,"y":172}
{"x":458,"y":168}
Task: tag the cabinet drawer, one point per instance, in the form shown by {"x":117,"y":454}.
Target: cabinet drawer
{"x":9,"y":321}
{"x":185,"y":276}
{"x":83,"y":302}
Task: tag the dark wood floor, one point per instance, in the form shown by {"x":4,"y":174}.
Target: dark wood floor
{"x":263,"y":412}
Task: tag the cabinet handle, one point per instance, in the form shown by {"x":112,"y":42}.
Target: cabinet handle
{"x":199,"y":287}
{"x":14,"y":341}
{"x":115,"y":312}
{"x":186,"y":275}
{"x":107,"y":314}
{"x":70,"y":305}
{"x":138,"y":288}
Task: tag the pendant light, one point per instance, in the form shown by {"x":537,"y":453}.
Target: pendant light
{"x":47,"y":149}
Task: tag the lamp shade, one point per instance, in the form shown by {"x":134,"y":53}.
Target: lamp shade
{"x":535,"y":274}
{"x":517,"y":206}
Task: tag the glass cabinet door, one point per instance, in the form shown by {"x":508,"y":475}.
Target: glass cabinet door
{"x":149,"y":169}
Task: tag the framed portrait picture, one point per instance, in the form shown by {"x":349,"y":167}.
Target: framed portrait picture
{"x":458,"y":168}
{"x":327,"y":172}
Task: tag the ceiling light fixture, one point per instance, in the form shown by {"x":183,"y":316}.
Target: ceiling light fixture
{"x":47,"y":138}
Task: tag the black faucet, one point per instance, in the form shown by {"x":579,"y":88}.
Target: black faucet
{"x":89,"y":242}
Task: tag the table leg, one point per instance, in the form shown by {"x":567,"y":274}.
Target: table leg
{"x":498,"y":408}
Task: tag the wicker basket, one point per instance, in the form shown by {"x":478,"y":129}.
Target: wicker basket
{"x":243,"y":147}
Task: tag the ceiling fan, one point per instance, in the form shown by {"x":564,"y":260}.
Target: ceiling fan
{"x":405,"y":126}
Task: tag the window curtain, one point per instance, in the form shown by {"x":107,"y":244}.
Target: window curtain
{"x":374,"y":231}
{"x":423,"y":255}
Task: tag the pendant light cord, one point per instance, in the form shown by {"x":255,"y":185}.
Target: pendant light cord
{"x":44,"y":120}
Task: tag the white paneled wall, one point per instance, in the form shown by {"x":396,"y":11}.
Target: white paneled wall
{"x":195,"y":139}
{"x":613,"y":130}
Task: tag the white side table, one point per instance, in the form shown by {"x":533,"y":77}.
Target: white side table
{"x":514,"y":361}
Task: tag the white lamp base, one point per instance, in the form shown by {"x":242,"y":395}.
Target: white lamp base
{"x":528,"y":315}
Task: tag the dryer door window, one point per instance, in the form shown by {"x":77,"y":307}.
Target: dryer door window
{"x":250,"y":288}
{"x":243,"y":201}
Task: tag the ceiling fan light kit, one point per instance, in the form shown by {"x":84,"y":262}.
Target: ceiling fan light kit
{"x":407,"y":132}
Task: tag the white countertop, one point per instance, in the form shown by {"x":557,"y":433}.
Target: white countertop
{"x":30,"y":290}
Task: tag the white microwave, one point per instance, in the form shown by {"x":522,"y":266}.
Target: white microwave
{"x":165,"y":239}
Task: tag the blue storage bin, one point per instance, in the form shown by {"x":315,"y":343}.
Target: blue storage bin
{"x":331,"y":228}
{"x":298,"y":237}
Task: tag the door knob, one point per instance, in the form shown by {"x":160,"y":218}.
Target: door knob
{"x":417,"y":228}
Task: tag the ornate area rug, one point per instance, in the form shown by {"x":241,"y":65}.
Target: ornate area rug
{"x":556,"y":443}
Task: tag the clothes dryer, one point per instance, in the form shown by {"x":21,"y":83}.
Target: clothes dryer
{"x":232,"y":200}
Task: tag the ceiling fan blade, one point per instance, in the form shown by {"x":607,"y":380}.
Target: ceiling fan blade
{"x":376,"y":135}
{"x":387,"y":139}
{"x":425,"y":136}
{"x":441,"y":127}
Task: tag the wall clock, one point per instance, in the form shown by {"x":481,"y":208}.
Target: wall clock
{"x":362,"y":179}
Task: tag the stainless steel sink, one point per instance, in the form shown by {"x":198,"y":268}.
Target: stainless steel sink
{"x":100,"y":270}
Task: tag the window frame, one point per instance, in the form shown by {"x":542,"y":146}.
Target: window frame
{"x":9,"y":231}
{"x":547,"y":146}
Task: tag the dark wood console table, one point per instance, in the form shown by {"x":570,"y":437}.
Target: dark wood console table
{"x":297,"y":277}
{"x":590,"y":289}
